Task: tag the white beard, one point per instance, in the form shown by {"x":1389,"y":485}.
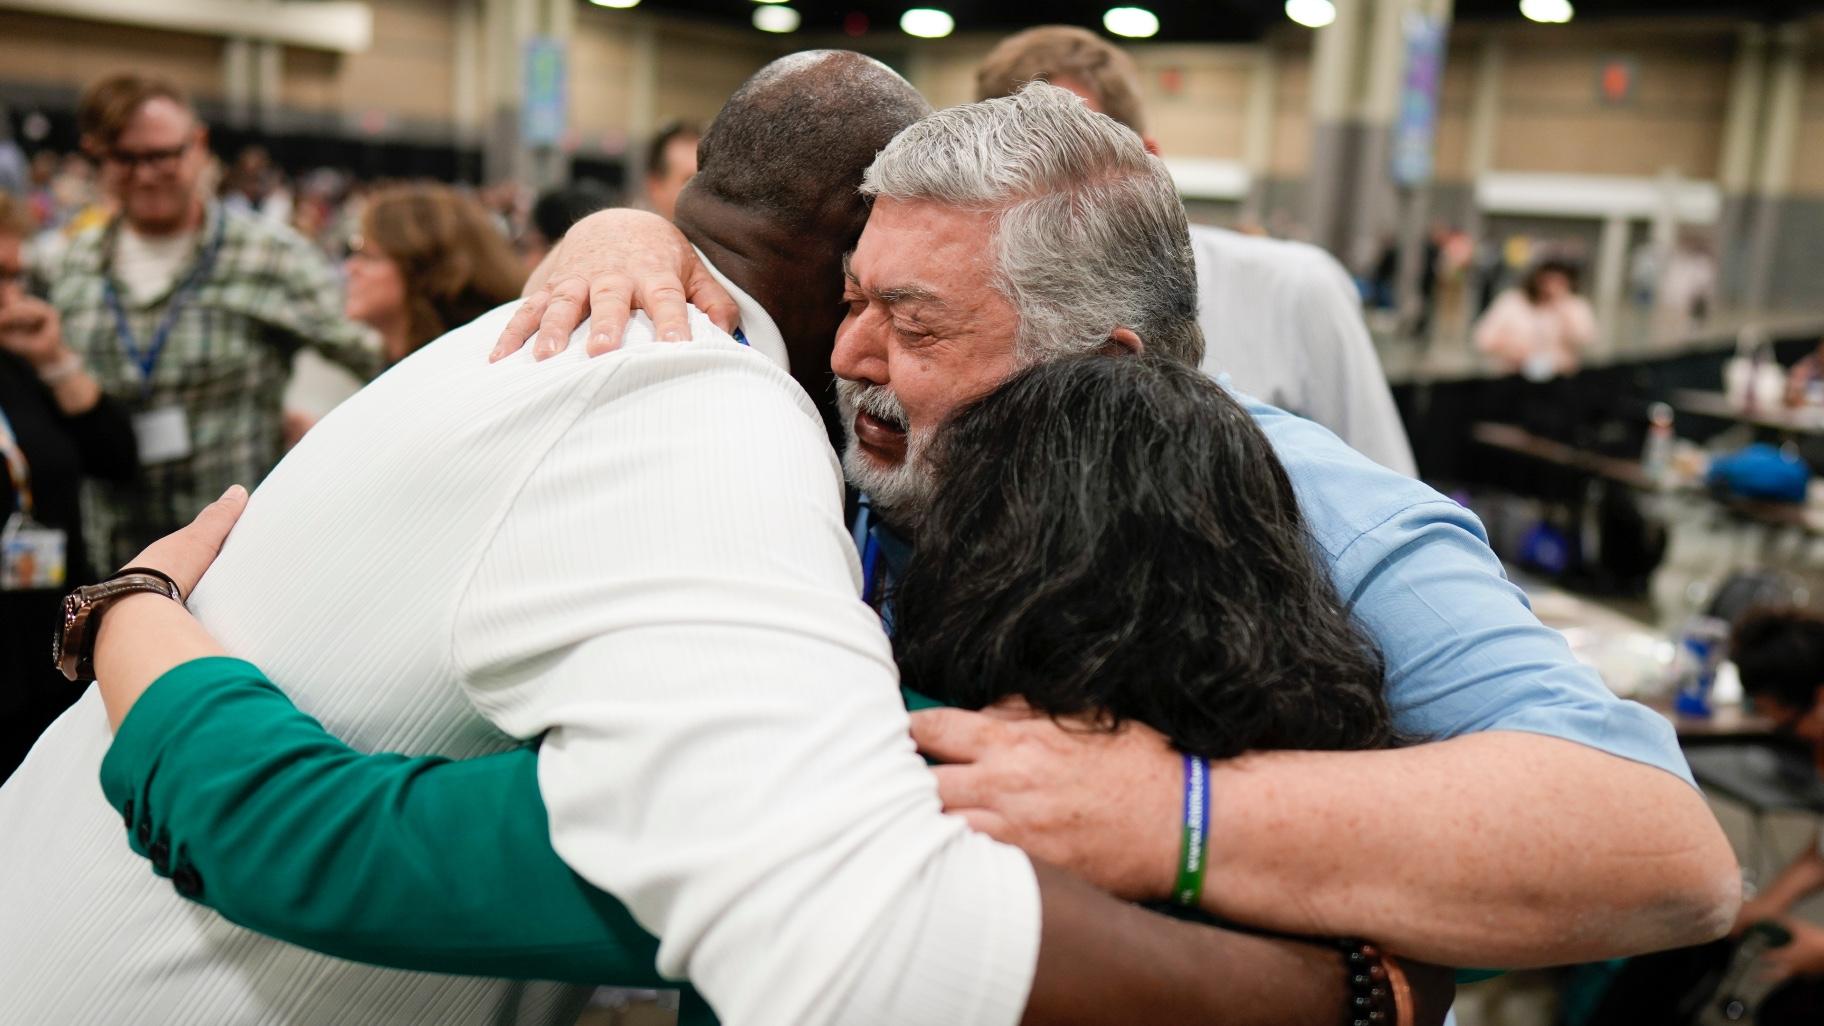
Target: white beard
{"x":901,"y":493}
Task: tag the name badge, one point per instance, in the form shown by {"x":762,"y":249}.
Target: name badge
{"x":164,"y":435}
{"x":32,"y":556}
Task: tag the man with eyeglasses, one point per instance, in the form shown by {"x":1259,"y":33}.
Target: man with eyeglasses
{"x":188,"y":314}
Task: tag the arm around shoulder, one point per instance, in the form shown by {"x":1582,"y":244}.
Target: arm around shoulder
{"x":1544,"y":821}
{"x":410,"y":863}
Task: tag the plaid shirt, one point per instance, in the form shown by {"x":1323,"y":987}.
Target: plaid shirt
{"x":266,"y":294}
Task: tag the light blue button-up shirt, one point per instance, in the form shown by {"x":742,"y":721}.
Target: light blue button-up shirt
{"x":1464,"y":651}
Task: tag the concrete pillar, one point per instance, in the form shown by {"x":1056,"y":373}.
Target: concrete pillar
{"x":1611,"y":270}
{"x":1377,"y":202}
{"x":1359,"y":71}
{"x":468,"y":75}
{"x":1257,"y":135}
{"x":1736,"y":171}
{"x":1335,"y":82}
{"x":509,"y":25}
{"x":550,"y":165}
{"x":268,"y":77}
{"x":238,"y":82}
{"x":1390,"y":208}
{"x":1484,"y":123}
{"x":642,"y":105}
{"x":1779,"y":141}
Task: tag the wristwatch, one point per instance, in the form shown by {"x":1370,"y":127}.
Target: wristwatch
{"x":73,"y":647}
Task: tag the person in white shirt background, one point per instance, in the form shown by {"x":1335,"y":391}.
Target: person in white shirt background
{"x":1281,"y":320}
{"x":1541,"y":327}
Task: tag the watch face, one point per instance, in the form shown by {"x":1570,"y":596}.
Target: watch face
{"x":70,"y":605}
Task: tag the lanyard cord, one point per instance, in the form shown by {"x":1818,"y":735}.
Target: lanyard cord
{"x":17,"y":469}
{"x":147,"y":360}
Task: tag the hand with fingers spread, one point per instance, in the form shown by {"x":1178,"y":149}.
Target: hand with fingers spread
{"x":610,"y":264}
{"x":1102,"y":804}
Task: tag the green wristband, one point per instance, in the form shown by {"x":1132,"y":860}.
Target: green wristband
{"x":1191,"y":850}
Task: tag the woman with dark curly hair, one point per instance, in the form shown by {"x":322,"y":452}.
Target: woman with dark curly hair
{"x":1114,"y":539}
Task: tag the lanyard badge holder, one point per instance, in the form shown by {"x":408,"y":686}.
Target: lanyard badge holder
{"x":32,"y":556}
{"x":163,"y":432}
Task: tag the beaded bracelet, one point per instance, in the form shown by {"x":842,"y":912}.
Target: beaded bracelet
{"x":1379,"y":994}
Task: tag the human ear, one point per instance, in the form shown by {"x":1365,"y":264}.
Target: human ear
{"x":1125,"y":342}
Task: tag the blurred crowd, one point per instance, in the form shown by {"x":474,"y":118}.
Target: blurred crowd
{"x":61,"y":195}
{"x":153,"y":299}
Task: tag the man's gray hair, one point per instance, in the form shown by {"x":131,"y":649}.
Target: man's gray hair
{"x":1090,"y":232}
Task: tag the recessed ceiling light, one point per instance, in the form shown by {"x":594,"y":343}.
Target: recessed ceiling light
{"x":619,"y":5}
{"x":1311,"y":13}
{"x":1132,"y":22}
{"x":771,"y":18}
{"x":1549,"y":12}
{"x":926,"y":23}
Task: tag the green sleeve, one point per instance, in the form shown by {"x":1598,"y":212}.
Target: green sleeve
{"x":427,"y":864}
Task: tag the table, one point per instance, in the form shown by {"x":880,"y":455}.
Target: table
{"x":1762,"y":778}
{"x":1515,"y":439}
{"x":1804,"y":420}
{"x":1635,"y":660}
{"x":1726,"y":725}
{"x":1734,"y":754}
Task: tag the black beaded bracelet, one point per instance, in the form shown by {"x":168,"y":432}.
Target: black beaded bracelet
{"x":1371,"y":987}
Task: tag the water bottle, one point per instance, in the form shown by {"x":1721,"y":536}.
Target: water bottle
{"x":1700,"y":653}
{"x":1656,"y":457}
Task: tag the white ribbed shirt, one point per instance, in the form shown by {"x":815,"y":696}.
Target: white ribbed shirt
{"x":1283,"y":321}
{"x":641,"y":556}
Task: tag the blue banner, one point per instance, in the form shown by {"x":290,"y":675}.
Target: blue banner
{"x":544,"y":109}
{"x":1417,"y":121}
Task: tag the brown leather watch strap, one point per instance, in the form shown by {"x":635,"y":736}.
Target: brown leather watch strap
{"x":75,"y":649}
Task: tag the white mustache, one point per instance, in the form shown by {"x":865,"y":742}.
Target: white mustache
{"x":877,"y":401}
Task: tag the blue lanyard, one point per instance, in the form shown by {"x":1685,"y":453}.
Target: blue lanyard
{"x":147,"y":359}
{"x":876,"y":568}
{"x":870,"y":565}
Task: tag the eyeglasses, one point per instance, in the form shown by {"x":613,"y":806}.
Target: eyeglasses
{"x":158,"y":160}
{"x":361,"y":248}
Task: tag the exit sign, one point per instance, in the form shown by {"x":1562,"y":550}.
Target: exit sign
{"x":1615,"y":80}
